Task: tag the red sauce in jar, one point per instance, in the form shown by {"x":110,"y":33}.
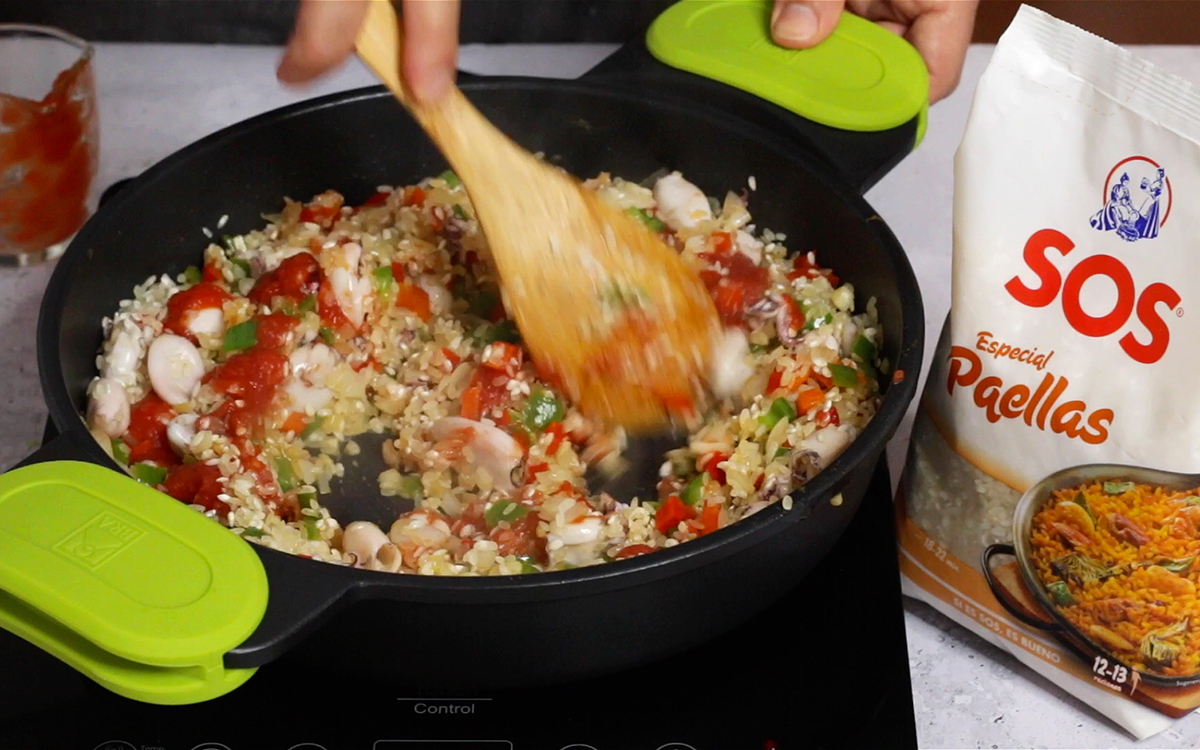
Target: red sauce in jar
{"x":295,"y":278}
{"x":180,"y":307}
{"x":52,"y":146}
{"x":147,"y":433}
{"x":196,"y":483}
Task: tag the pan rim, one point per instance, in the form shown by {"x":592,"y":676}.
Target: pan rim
{"x":618,"y":574}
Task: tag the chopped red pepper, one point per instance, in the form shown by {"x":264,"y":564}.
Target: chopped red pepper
{"x":452,"y":357}
{"x":413,"y":297}
{"x":722,"y":242}
{"x":671,"y":513}
{"x":710,"y":466}
{"x":472,"y":407}
{"x":414,"y":196}
{"x":212,"y":273}
{"x":792,"y":317}
{"x":376,"y":200}
{"x":828,"y":417}
{"x":633,"y":550}
{"x":323,"y":209}
{"x":502,"y":356}
{"x":710,"y":519}
{"x":555,"y":430}
{"x":295,"y":423}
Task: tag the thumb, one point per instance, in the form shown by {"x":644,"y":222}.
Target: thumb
{"x":800,"y":24}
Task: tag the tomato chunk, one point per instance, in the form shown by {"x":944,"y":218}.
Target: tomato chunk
{"x":275,"y":331}
{"x":147,"y":431}
{"x":520,"y":538}
{"x":186,"y":303}
{"x":295,"y":278}
{"x":197,"y":483}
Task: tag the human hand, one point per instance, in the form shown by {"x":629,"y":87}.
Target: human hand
{"x":325,"y":31}
{"x":939,"y":29}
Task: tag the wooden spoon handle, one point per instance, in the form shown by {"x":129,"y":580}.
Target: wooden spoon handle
{"x":458,"y":129}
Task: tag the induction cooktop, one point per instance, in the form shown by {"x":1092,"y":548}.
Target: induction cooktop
{"x":825,"y":667}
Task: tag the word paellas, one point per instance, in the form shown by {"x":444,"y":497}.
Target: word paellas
{"x":1000,"y":350}
{"x":1038,"y":406}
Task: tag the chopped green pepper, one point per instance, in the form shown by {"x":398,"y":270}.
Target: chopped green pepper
{"x":1180,"y":566}
{"x":781,"y":452}
{"x":285,"y":473}
{"x":307,"y":499}
{"x":503,"y":510}
{"x":227,"y":242}
{"x":817,"y":322}
{"x":451,"y":179}
{"x":694,"y":491}
{"x":241,"y":265}
{"x":411,"y":487}
{"x":506,"y":330}
{"x":311,"y":530}
{"x":308,"y":304}
{"x":780,"y":408}
{"x":120,"y":451}
{"x":241,"y":336}
{"x":459,"y":213}
{"x":1117,"y":488}
{"x":311,"y":427}
{"x":327,"y":336}
{"x":843,"y":376}
{"x":383,"y":280}
{"x":252,"y":531}
{"x":542,"y":409}
{"x":1062,"y":594}
{"x":483,"y":303}
{"x":192,"y":275}
{"x":653,"y":224}
{"x":527,"y":565}
{"x":149,"y":474}
{"x":287,"y":307}
{"x":864,"y":349}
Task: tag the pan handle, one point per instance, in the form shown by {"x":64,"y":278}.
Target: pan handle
{"x":999,"y":592}
{"x":861,"y":123}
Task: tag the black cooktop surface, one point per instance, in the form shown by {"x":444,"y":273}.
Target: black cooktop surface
{"x":826,"y":667}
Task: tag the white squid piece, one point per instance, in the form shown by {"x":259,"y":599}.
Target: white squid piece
{"x":730,"y":371}
{"x":122,"y":360}
{"x":583,"y":530}
{"x":363,"y":539}
{"x":828,"y":443}
{"x":180,"y":432}
{"x":350,"y":288}
{"x":310,"y":365}
{"x":209,"y":321}
{"x":108,"y":407}
{"x":749,"y":245}
{"x":495,"y":451}
{"x":680,"y":203}
{"x":175,"y":368}
{"x":419,"y":533}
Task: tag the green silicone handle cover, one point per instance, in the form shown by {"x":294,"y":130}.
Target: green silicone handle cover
{"x":137,"y":591}
{"x":861,"y":78}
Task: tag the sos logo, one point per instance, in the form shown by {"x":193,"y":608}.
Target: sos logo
{"x":1144,"y":303}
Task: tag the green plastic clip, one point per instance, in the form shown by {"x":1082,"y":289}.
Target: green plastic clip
{"x":862,"y":78}
{"x":133,"y":589}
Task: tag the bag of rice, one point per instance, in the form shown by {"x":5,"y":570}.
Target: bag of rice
{"x":1073,"y":340}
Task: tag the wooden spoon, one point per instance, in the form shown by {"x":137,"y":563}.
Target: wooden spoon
{"x":610,"y":314}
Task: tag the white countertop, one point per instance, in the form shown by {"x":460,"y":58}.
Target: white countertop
{"x":155,"y":99}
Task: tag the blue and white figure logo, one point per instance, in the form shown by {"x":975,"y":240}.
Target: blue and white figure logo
{"x":1137,"y":200}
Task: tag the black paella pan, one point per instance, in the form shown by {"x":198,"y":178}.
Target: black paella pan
{"x":631,"y":116}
